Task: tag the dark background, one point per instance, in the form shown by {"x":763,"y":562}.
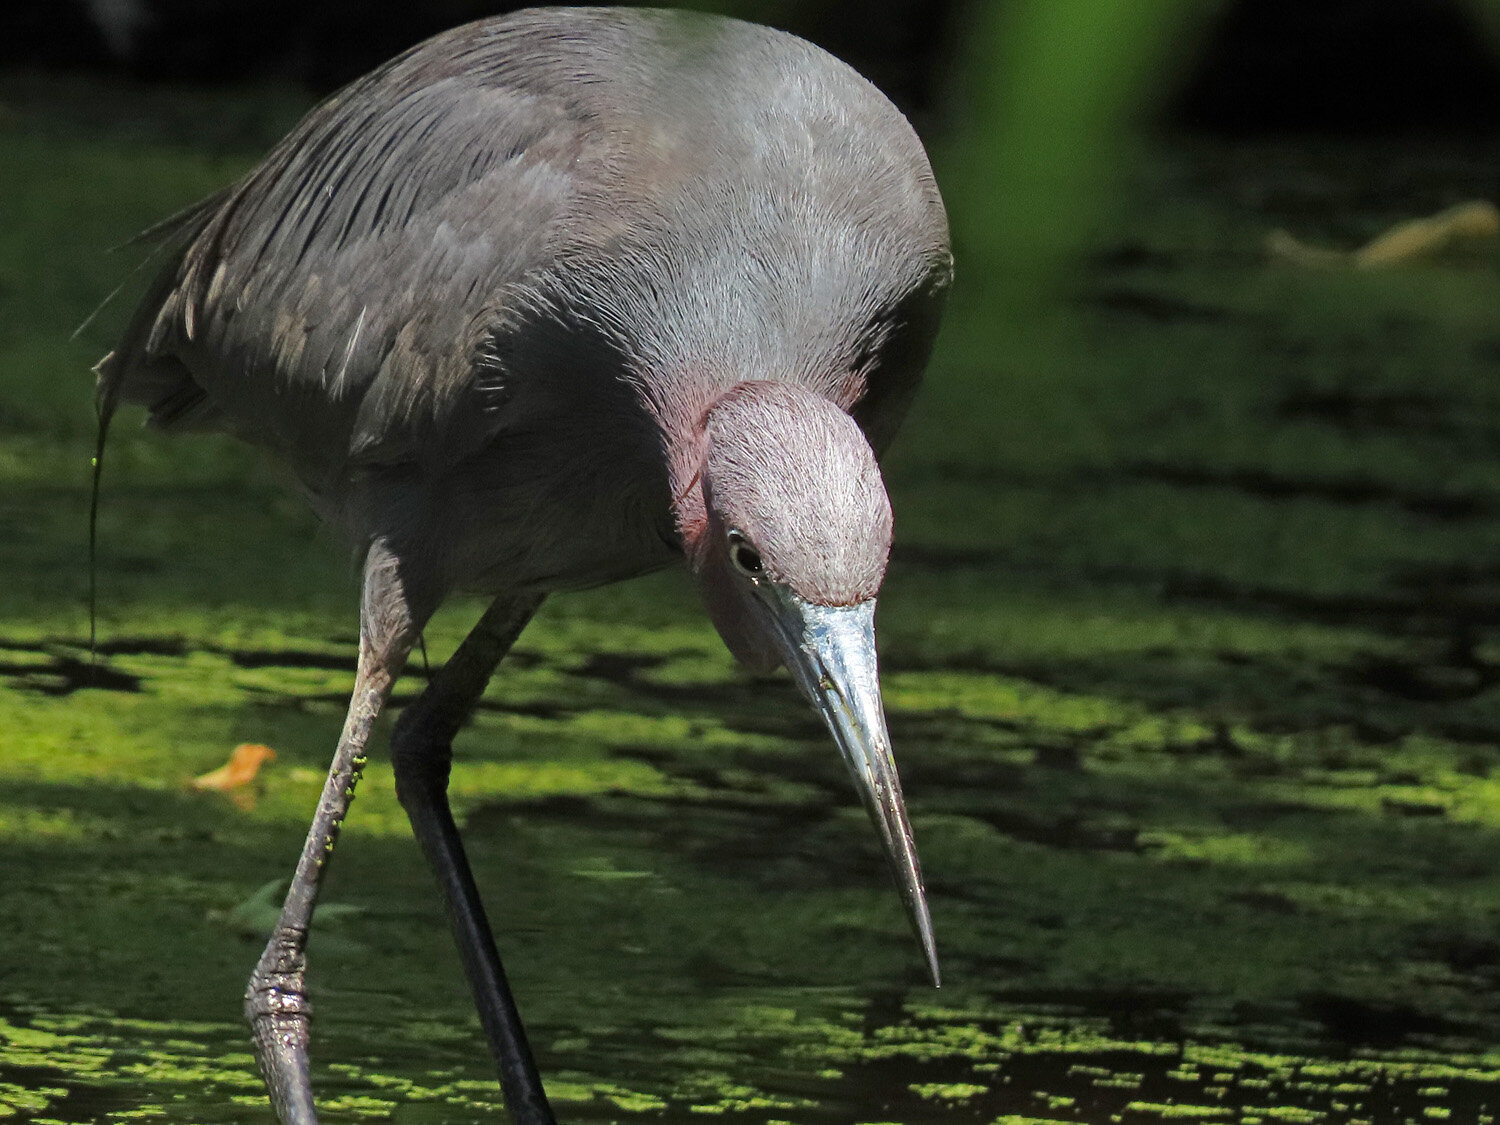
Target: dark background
{"x":1266,"y":66}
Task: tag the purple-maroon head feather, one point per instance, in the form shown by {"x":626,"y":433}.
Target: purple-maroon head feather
{"x":790,"y":476}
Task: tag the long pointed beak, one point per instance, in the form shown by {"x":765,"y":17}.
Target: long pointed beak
{"x":830,"y":651}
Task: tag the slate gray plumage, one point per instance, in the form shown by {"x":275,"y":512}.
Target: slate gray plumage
{"x":548,"y":301}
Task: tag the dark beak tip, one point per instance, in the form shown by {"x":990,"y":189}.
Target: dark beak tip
{"x":923,"y":926}
{"x":935,"y":972}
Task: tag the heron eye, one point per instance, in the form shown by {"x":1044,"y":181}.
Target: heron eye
{"x":745,"y":557}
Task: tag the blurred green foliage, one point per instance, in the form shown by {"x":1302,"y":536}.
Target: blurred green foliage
{"x":1051,"y":101}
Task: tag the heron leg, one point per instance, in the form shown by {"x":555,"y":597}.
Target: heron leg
{"x":276,"y":1000}
{"x":422,"y":752}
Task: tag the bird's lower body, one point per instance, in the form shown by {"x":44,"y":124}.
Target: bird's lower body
{"x":394,"y":609}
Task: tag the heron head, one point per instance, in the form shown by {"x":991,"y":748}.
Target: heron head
{"x":796,"y":512}
{"x":789,"y":555}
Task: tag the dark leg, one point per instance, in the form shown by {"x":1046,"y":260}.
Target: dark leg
{"x":275,"y":1002}
{"x":422,"y":750}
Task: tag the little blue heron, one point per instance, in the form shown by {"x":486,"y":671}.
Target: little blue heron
{"x":548,"y":301}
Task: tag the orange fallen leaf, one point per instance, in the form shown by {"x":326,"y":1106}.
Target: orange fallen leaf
{"x":239,"y":771}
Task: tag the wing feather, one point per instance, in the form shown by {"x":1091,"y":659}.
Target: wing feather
{"x":323,"y":304}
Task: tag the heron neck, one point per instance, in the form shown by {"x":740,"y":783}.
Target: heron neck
{"x":685,"y":431}
{"x":686,"y":453}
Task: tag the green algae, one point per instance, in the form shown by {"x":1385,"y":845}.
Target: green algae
{"x":947,"y":1091}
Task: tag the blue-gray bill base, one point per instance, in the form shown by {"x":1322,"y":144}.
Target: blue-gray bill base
{"x":549,"y":301}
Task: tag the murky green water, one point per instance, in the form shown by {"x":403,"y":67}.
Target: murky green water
{"x":708,"y":933}
{"x":1190,"y":650}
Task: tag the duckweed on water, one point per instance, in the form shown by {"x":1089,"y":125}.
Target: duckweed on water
{"x":947,"y":1091}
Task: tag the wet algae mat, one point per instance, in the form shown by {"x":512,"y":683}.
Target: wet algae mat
{"x":1190,"y":649}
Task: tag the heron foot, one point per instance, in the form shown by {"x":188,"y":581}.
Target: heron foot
{"x":279,"y":1014}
